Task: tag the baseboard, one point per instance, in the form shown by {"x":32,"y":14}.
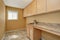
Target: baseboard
{"x":16,"y":30}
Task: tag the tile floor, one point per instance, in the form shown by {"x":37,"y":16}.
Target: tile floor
{"x":16,"y":35}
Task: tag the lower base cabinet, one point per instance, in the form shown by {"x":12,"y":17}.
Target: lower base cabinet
{"x":37,"y":34}
{"x":32,"y":33}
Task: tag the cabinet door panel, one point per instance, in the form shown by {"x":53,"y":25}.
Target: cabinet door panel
{"x":28,"y":31}
{"x":31,"y":32}
{"x":35,"y":34}
{"x":32,"y":8}
{"x":41,"y":6}
{"x":29,"y":10}
{"x":25,"y":12}
{"x":53,"y":5}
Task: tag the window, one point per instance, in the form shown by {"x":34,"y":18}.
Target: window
{"x":12,"y":15}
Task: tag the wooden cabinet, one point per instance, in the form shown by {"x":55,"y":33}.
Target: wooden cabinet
{"x":37,"y":34}
{"x":32,"y":33}
{"x":25,"y":12}
{"x":36,"y":7}
{"x":30,"y":9}
{"x":53,"y":5}
{"x":41,"y":6}
{"x":33,"y":7}
{"x":28,"y":31}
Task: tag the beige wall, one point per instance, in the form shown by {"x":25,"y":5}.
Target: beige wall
{"x":2,"y":19}
{"x":53,"y":17}
{"x":15,"y":24}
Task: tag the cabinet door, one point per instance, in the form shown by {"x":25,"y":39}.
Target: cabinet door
{"x":25,"y":12}
{"x":53,"y":5}
{"x":32,"y":8}
{"x":35,"y":34}
{"x":31,"y":32}
{"x":28,"y":31}
{"x":29,"y":10}
{"x":41,"y":6}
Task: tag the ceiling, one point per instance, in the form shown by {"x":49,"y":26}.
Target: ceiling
{"x":17,"y":3}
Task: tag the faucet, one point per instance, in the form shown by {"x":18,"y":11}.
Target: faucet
{"x":35,"y":22}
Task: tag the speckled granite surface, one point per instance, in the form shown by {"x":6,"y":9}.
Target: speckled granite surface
{"x":16,"y":35}
{"x":53,"y":28}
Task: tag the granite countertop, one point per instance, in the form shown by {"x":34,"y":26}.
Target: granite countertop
{"x":49,"y":27}
{"x":53,"y":28}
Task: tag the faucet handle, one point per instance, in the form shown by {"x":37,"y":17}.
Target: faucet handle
{"x":35,"y":21}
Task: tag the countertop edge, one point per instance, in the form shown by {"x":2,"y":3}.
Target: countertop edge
{"x":48,"y":30}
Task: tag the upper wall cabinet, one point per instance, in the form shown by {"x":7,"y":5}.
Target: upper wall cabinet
{"x":25,"y":12}
{"x":36,"y":7}
{"x":41,"y":6}
{"x":53,"y":5}
{"x":30,"y":9}
{"x":33,"y":7}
